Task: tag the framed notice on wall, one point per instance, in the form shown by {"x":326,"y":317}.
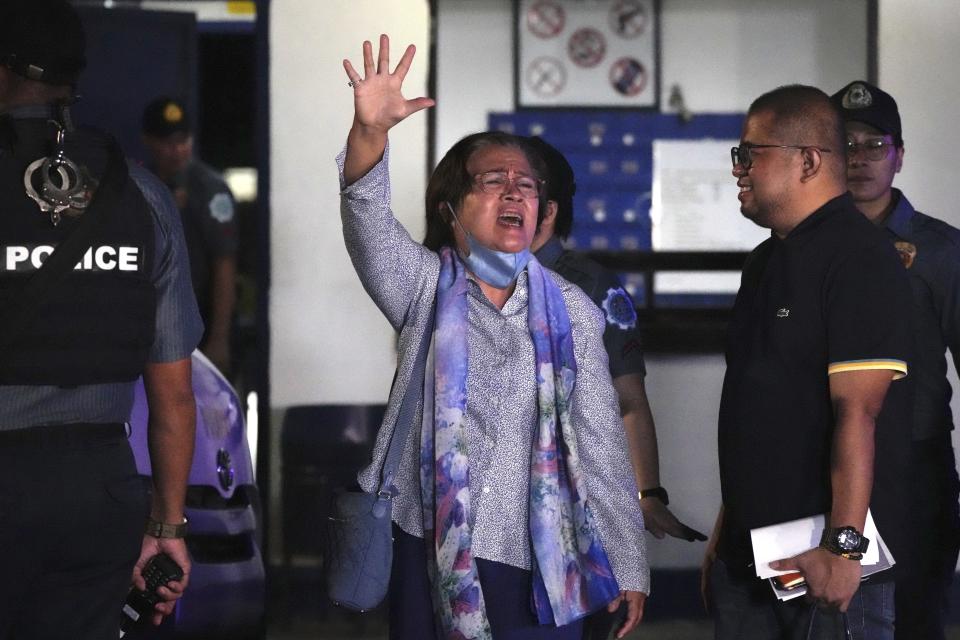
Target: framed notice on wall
{"x":587,"y":53}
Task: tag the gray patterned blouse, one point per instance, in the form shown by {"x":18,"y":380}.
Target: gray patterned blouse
{"x":401,"y":277}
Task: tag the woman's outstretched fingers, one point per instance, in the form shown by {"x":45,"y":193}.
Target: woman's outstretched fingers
{"x":352,"y":74}
{"x":404,"y":65}
{"x":367,"y":59}
{"x":383,"y":58}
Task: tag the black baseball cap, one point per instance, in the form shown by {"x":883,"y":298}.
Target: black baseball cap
{"x":42,"y":40}
{"x":863,"y":102}
{"x":165,"y":116}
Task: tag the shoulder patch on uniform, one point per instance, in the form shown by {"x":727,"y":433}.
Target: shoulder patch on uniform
{"x":907,"y":252}
{"x":221,"y":207}
{"x":619,"y":309}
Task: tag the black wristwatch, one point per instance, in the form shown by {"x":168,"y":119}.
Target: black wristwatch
{"x":655,"y":492}
{"x":845,"y":541}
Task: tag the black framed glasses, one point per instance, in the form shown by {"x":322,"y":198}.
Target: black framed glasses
{"x":873,"y":150}
{"x":499,"y":182}
{"x":743,"y":155}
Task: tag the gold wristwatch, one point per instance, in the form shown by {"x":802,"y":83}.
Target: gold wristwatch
{"x":159,"y":529}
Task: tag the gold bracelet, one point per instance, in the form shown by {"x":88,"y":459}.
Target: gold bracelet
{"x":159,"y":529}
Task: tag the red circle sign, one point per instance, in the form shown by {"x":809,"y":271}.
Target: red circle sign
{"x":587,"y":47}
{"x":628,"y":18}
{"x":628,"y":76}
{"x":546,"y":19}
{"x":546,"y":76}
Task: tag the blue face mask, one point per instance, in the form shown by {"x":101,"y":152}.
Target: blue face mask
{"x":497,"y":268}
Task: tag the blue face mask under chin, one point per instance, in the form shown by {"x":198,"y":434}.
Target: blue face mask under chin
{"x":497,"y":268}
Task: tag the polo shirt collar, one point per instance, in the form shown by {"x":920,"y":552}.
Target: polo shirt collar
{"x":839,"y":203}
{"x":900,"y":218}
{"x":549,"y":253}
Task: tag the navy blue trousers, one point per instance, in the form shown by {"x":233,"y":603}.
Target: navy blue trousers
{"x":506,"y":591}
{"x":925,"y":567}
{"x":72,"y":508}
{"x":744,"y":608}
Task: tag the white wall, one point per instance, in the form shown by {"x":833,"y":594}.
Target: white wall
{"x":329,"y":344}
{"x":684,"y":393}
{"x":919,"y":49}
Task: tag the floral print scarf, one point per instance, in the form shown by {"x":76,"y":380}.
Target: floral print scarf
{"x":571,"y":573}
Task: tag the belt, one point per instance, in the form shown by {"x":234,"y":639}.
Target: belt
{"x":65,"y":436}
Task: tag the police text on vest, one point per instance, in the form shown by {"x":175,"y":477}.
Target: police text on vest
{"x":102,"y":258}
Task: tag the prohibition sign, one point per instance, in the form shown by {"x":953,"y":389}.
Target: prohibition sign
{"x":546,"y":76}
{"x":628,"y":18}
{"x":587,"y":47}
{"x":545,"y":19}
{"x":628,"y":76}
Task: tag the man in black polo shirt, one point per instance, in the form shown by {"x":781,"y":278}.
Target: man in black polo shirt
{"x":818,"y":333}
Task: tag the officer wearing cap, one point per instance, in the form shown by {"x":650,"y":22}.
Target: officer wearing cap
{"x":94,"y":292}
{"x":930,"y":250}
{"x":207,"y":212}
{"x":621,"y":340}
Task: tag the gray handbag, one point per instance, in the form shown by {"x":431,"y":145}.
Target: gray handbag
{"x":360,"y":532}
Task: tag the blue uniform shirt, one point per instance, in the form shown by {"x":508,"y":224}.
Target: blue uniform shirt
{"x":621,"y":333}
{"x":930,"y":249}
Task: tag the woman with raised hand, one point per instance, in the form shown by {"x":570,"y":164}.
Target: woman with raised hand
{"x":516,"y":513}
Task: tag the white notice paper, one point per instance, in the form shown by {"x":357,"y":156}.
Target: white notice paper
{"x":694,"y":207}
{"x":694,"y":204}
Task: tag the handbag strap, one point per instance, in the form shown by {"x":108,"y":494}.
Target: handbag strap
{"x":846,"y":623}
{"x":405,"y":420}
{"x":70,"y":251}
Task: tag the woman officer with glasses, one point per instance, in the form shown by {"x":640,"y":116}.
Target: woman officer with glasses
{"x":517,"y":512}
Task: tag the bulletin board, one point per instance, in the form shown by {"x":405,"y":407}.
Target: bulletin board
{"x":587,"y":53}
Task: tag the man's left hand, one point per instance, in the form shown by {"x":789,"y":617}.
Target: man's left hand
{"x":831,"y":579}
{"x":176,"y":548}
{"x":660,"y":521}
{"x":635,"y":601}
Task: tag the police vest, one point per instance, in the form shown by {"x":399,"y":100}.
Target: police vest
{"x":96,"y":322}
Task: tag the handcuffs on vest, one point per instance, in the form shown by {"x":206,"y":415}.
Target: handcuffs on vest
{"x":55,"y":182}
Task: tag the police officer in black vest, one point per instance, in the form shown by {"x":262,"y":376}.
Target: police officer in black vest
{"x":94,"y":291}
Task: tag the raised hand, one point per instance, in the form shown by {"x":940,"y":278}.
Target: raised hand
{"x":377,"y":98}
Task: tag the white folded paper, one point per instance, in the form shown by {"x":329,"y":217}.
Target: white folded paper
{"x":788,"y":539}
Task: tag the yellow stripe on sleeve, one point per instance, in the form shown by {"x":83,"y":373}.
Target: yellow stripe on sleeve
{"x":899,"y":367}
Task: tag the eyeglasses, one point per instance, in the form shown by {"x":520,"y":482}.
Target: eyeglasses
{"x":499,"y":182}
{"x":873,"y":150}
{"x":743,"y":155}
